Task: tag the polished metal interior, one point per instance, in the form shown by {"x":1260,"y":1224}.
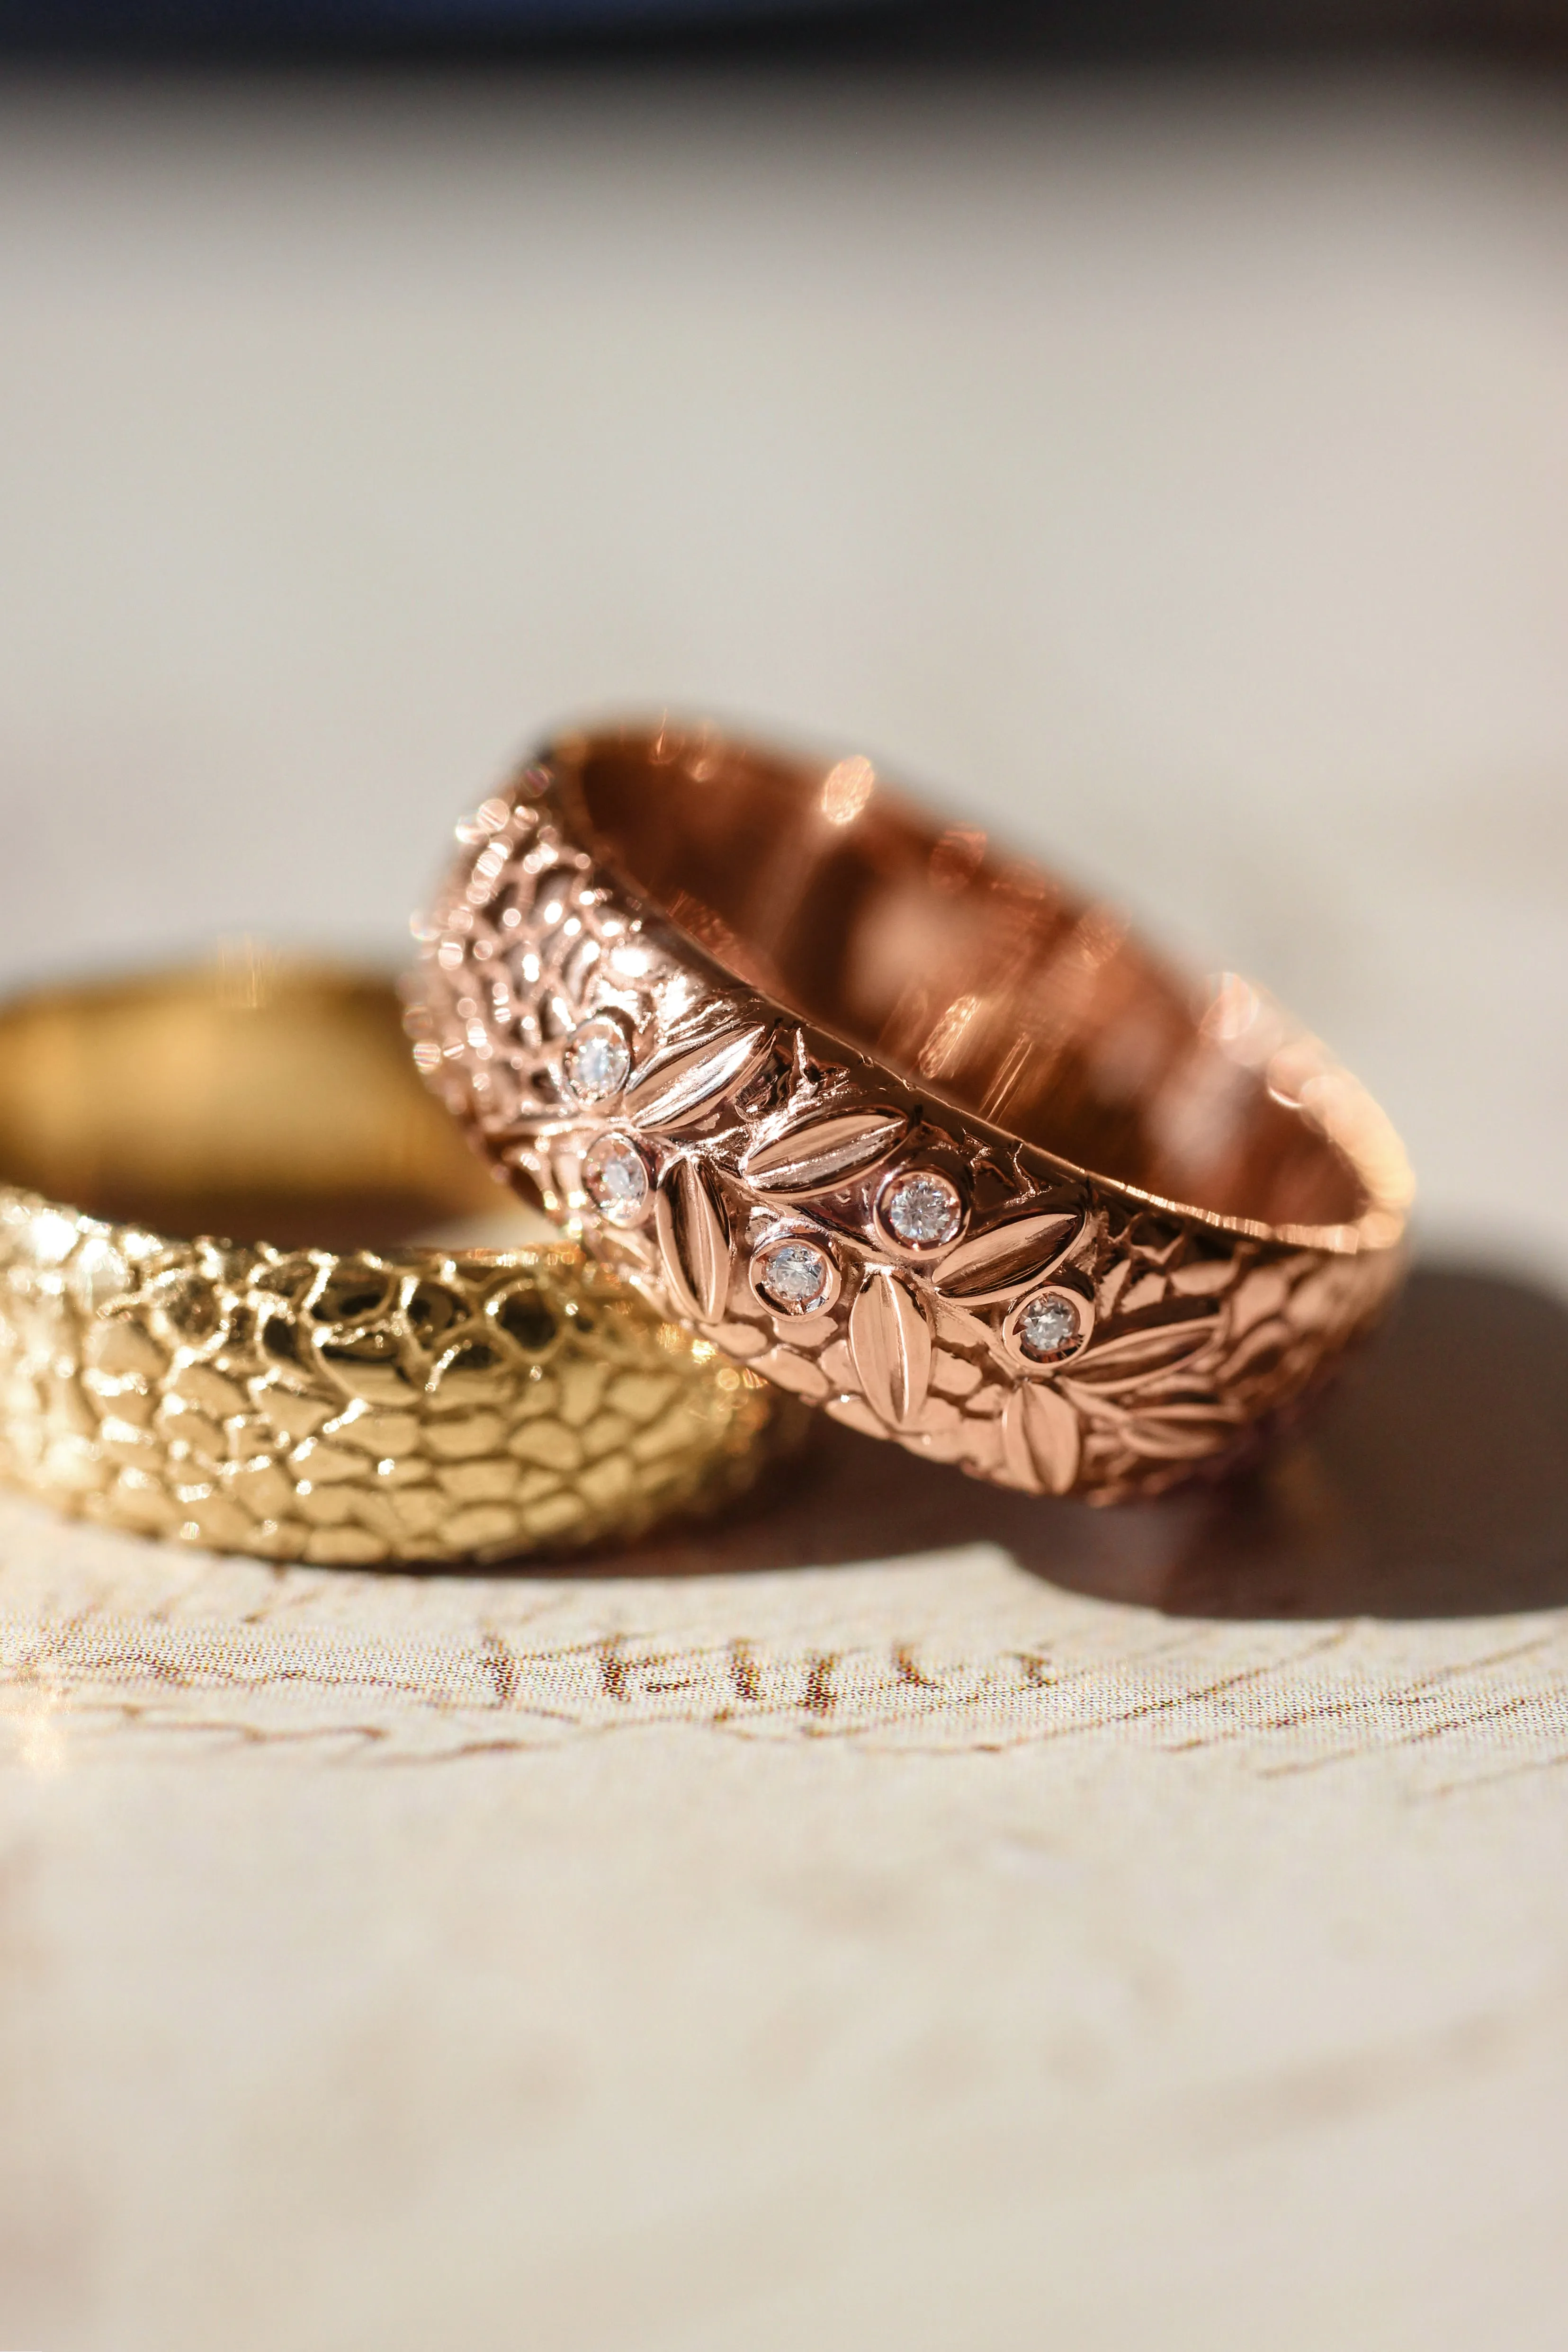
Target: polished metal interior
{"x":971,"y":973}
{"x":255,"y":1098}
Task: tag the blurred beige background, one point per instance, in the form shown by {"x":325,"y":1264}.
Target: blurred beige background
{"x":1174,"y":475}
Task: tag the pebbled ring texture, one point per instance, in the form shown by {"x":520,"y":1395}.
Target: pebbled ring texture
{"x":336,"y":1395}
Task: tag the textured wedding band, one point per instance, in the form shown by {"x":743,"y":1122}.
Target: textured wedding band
{"x":328,"y":1395}
{"x":896,"y":1120}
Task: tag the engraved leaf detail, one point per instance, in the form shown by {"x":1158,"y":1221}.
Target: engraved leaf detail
{"x":1262,"y":1351}
{"x":1041,"y":1439}
{"x":1203,"y":1277}
{"x":1178,"y":1435}
{"x":824,"y":1152}
{"x":679,"y":1087}
{"x":891,"y":1342}
{"x":998,"y":1265}
{"x":1121,"y":1364}
{"x":693,"y":1240}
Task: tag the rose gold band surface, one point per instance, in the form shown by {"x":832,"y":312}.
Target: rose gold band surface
{"x":896,"y":1120}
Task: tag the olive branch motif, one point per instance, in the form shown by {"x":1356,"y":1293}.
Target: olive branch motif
{"x":736,"y":1119}
{"x":899,"y":1312}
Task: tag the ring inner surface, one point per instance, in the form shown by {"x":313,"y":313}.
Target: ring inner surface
{"x":956,"y":966}
{"x":251,"y":1099}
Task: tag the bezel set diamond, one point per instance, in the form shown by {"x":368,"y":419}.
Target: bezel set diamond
{"x":1047,"y":1329}
{"x":615,"y":1178}
{"x":780,"y":1273}
{"x":919,"y":1210}
{"x":595,"y":1061}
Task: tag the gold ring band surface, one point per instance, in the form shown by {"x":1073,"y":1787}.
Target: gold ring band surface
{"x":332,"y":1394}
{"x":898,"y":1121}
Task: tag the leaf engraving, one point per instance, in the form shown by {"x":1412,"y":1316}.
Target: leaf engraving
{"x":1119,"y":1365}
{"x":693,"y":1240}
{"x":1203,"y":1277}
{"x":1178,"y":1435}
{"x":824,"y":1152}
{"x":998,"y":1265}
{"x":891,"y":1342}
{"x":1040,"y":1439}
{"x":1261,"y":1353}
{"x":679,"y":1087}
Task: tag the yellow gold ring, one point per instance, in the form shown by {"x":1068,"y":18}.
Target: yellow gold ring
{"x":335,"y":1392}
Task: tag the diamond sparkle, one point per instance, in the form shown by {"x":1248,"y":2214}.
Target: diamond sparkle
{"x":616,"y":1176}
{"x":794,"y":1276}
{"x":922,"y":1210}
{"x":1048,"y":1329}
{"x":596,"y":1061}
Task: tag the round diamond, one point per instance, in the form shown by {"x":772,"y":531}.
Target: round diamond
{"x":794,"y":1276}
{"x":922,"y":1210}
{"x":1047,"y":1329}
{"x":596,"y":1063}
{"x":616,"y":1175}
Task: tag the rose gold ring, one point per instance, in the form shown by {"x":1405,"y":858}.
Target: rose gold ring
{"x":898,"y":1122}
